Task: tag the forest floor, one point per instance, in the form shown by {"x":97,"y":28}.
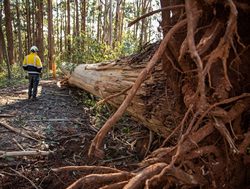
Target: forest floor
{"x":63,"y":122}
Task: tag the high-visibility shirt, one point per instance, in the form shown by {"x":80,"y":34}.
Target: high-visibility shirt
{"x":32,"y":63}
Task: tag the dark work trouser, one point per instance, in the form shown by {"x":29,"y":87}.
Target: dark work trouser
{"x":33,"y":84}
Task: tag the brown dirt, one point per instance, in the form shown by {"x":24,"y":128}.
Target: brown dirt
{"x":68,"y":122}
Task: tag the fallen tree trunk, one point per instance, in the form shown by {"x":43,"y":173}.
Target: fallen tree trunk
{"x":154,"y":104}
{"x":202,"y":78}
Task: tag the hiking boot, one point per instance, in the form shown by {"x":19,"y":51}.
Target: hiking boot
{"x":34,"y":98}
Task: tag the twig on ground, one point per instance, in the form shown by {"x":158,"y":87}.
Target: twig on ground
{"x":18,"y":131}
{"x":18,"y":144}
{"x":21,"y":175}
{"x":6,"y":115}
{"x":49,"y":120}
{"x":4,"y":154}
{"x":100,"y":169}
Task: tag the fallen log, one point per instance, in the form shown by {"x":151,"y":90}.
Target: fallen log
{"x":155,"y":102}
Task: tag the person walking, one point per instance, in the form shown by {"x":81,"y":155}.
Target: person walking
{"x":33,"y":65}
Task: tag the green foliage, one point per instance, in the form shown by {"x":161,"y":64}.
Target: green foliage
{"x":18,"y":77}
{"x":86,"y":49}
{"x":98,"y":114}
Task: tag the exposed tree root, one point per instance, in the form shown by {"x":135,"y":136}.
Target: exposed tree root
{"x":140,"y":178}
{"x":117,"y":185}
{"x":214,"y":131}
{"x":98,"y":180}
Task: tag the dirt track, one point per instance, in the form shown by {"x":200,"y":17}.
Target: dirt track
{"x":67,"y":127}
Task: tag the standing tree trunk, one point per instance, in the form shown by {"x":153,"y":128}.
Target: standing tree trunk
{"x":121,"y":22}
{"x":33,"y":18}
{"x":62,"y":24}
{"x":3,"y":46}
{"x":20,"y":48}
{"x":51,"y":39}
{"x":28,"y":26}
{"x":136,"y":15}
{"x":1,"y":40}
{"x":77,"y":18}
{"x":68,"y":41}
{"x":117,"y":21}
{"x":39,"y":27}
{"x":1,"y":54}
{"x":99,"y":21}
{"x":144,"y":22}
{"x":83,"y":21}
{"x":83,"y":16}
{"x":110,"y":22}
{"x":9,"y":33}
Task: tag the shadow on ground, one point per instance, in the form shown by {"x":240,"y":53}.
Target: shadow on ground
{"x":67,"y":126}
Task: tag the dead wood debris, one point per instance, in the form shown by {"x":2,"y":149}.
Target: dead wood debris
{"x":4,"y":154}
{"x":27,"y":134}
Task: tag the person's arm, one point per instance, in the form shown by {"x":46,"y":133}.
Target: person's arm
{"x":39,"y":64}
{"x":25,"y":66}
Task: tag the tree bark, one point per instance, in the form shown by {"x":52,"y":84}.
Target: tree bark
{"x":152,"y":105}
{"x":110,"y":22}
{"x":20,"y":48}
{"x":83,"y":15}
{"x":77,"y":18}
{"x":51,"y":39}
{"x":33,"y":18}
{"x":39,"y":27}
{"x":1,"y":40}
{"x":9,"y":32}
{"x":28,"y":26}
{"x":68,"y":41}
{"x":3,"y":45}
{"x":117,"y":21}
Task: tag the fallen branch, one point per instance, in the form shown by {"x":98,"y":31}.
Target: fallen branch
{"x":17,"y":143}
{"x":18,"y":131}
{"x":21,"y":175}
{"x":50,"y":120}
{"x":4,"y":154}
{"x":100,"y":169}
{"x":6,"y":115}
